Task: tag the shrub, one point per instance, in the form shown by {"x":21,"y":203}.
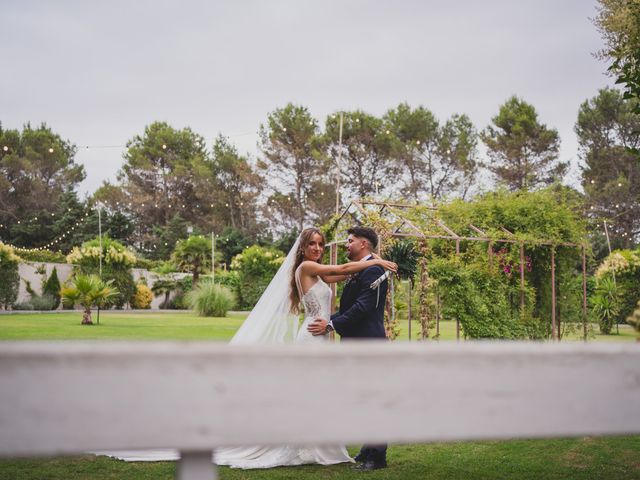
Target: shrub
{"x":625,"y":266}
{"x":43,"y":256}
{"x":147,"y":264}
{"x":634,"y":318}
{"x":52,"y":288}
{"x":210,"y":299}
{"x":178,"y":302}
{"x":9,"y":277}
{"x":229,"y":279}
{"x":117,"y":261}
{"x":164,"y":286}
{"x":256,"y":266}
{"x":605,"y":304}
{"x":43,"y":302}
{"x":142,"y":298}
{"x":478,"y":296}
{"x":26,"y":305}
{"x":164,"y":268}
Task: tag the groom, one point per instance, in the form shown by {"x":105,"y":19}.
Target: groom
{"x":361,"y":315}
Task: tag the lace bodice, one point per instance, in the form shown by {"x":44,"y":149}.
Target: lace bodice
{"x":317,"y":304}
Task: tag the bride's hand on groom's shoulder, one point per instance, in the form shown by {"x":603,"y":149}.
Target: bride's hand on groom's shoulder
{"x":387,"y":265}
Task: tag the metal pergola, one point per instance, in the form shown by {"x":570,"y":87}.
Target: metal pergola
{"x":404,"y":228}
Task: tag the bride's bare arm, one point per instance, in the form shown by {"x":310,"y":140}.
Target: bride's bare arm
{"x":330,"y":271}
{"x":334,"y":278}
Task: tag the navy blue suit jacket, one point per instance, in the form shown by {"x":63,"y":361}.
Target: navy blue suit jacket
{"x":358,"y":316}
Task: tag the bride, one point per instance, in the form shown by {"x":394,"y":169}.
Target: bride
{"x":301,"y":279}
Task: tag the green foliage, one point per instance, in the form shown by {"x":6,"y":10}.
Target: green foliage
{"x":88,"y":291}
{"x":142,"y":297}
{"x":37,"y":302}
{"x":634,"y":318}
{"x":523,"y":152}
{"x":605,"y":303}
{"x":256,"y":266}
{"x":478,"y":296}
{"x":9,"y":277}
{"x":230,"y":279}
{"x":210,"y":299}
{"x":117,"y":261}
{"x":164,"y":286}
{"x":184,"y":286}
{"x":237,"y":186}
{"x":52,"y":287}
{"x":405,"y":255}
{"x":37,"y":170}
{"x":551,"y":214}
{"x":43,"y":256}
{"x":45,"y":301}
{"x":193,"y":255}
{"x":293,"y":153}
{"x":164,"y":268}
{"x":619,"y":23}
{"x":147,"y":264}
{"x":608,"y":127}
{"x":440,"y":159}
{"x":231,"y":243}
{"x":165,"y":175}
{"x":623,"y":266}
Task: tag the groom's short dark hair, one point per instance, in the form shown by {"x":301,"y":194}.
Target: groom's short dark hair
{"x":365,"y":232}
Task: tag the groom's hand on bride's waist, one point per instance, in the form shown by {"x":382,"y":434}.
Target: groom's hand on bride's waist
{"x":318,"y":326}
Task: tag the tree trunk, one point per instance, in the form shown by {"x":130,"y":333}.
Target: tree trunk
{"x":86,"y":317}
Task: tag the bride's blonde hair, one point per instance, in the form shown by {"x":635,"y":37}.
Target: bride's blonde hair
{"x":305,"y":238}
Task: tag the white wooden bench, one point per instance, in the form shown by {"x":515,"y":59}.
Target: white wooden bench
{"x":72,"y":397}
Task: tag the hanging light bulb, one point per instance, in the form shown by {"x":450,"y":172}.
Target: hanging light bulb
{"x":5,"y":148}
{"x":51,"y":150}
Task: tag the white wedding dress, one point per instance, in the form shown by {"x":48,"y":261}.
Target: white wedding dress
{"x":317,"y":303}
{"x":268,"y":323}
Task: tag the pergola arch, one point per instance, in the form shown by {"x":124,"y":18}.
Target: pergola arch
{"x":403,"y":227}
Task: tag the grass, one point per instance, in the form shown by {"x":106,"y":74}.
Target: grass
{"x":170,"y":325}
{"x":581,"y":458}
{"x":614,"y":458}
{"x":121,"y":325}
{"x":448,"y":332}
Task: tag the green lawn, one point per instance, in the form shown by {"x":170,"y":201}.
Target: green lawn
{"x":121,"y":325}
{"x":124,"y":325}
{"x":582,"y":458}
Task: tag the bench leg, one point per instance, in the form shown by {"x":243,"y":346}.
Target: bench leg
{"x":196,"y":465}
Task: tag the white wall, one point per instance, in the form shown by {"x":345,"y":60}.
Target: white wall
{"x":27,"y":271}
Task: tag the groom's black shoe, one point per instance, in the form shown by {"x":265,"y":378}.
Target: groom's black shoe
{"x":370,"y":465}
{"x":361,"y":457}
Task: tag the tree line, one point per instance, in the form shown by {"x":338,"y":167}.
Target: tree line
{"x":170,"y":182}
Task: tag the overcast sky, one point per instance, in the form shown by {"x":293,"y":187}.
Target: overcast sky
{"x":98,"y":72}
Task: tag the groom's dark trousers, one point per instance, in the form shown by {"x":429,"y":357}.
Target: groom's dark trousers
{"x":361,"y":315}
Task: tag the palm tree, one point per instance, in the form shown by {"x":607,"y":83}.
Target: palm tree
{"x":164,"y":286}
{"x":605,"y":304}
{"x":88,"y":291}
{"x":192,"y":255}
